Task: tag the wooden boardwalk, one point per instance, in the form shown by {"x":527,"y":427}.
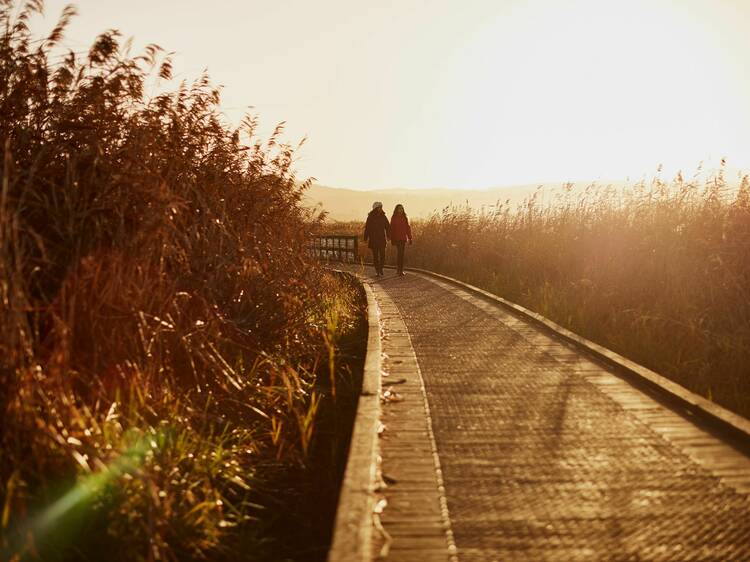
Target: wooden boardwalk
{"x":502,"y":442}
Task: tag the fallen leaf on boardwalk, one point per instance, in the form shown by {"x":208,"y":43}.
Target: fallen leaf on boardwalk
{"x":380,"y":506}
{"x":390,"y":396}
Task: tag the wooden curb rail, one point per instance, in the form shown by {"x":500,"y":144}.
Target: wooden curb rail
{"x":353,"y":526}
{"x":732,"y":425}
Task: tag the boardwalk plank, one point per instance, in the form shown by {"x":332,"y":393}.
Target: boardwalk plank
{"x":545,"y":454}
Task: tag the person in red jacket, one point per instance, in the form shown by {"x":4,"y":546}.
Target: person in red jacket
{"x":376,"y":235}
{"x":400,"y":234}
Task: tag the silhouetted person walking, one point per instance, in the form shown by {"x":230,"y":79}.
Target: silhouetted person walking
{"x":377,"y":231}
{"x":400,"y":233}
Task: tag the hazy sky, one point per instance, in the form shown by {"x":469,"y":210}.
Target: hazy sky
{"x":465,"y":93}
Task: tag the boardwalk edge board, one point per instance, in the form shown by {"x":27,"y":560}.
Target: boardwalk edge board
{"x":444,"y":512}
{"x":352,"y":530}
{"x":703,"y":410}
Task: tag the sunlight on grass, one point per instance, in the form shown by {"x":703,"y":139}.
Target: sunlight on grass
{"x":163,"y":330}
{"x":658,"y":271}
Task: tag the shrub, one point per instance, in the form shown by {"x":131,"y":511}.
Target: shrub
{"x":160,"y":323}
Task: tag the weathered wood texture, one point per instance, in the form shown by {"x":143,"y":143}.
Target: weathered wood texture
{"x":504,"y":441}
{"x":548,"y":455}
{"x":353,"y":528}
{"x":415,"y":517}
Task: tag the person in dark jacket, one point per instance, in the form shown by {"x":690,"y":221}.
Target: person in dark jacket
{"x":400,"y":233}
{"x":377,"y":229}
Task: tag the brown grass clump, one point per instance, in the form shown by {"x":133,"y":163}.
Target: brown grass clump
{"x":160,"y":323}
{"x":659,"y":272}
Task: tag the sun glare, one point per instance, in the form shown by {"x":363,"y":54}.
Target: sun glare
{"x":496,"y":93}
{"x":587,"y":90}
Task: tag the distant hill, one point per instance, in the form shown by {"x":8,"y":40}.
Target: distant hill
{"x":350,"y":204}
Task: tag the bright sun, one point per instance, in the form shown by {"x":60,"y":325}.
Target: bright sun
{"x":580,"y":90}
{"x":475,"y":94}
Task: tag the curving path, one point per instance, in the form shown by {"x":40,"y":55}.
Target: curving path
{"x":503,"y":443}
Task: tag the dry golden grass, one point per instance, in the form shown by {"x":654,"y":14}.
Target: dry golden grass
{"x":659,"y":272}
{"x":160,"y":324}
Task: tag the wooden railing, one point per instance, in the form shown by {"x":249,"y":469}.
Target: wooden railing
{"x":335,"y":247}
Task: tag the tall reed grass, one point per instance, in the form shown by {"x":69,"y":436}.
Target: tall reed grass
{"x":161,"y":327}
{"x":658,"y":271}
